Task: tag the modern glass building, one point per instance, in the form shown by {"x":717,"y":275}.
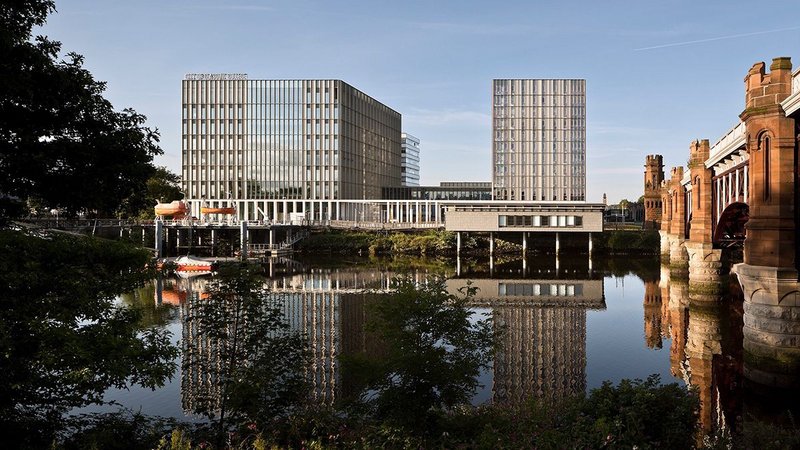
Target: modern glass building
{"x":410,"y":160}
{"x":285,"y":139}
{"x":539,"y":139}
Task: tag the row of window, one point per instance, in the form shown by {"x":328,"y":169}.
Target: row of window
{"x":534,"y":85}
{"x":537,"y":289}
{"x":539,"y":221}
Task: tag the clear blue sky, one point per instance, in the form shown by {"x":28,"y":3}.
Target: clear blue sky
{"x":659,"y":73}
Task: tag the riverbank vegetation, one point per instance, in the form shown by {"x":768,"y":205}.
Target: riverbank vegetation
{"x":63,"y":341}
{"x":443,"y":243}
{"x":622,"y":242}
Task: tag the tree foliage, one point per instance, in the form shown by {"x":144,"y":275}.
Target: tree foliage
{"x":61,"y":142}
{"x":258,"y":363}
{"x":63,"y":342}
{"x":162,"y":186}
{"x":434,"y":352}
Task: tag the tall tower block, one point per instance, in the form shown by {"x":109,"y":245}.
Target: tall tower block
{"x":653,"y":176}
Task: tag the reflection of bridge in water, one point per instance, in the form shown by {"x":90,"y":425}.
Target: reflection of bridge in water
{"x":543,"y":350}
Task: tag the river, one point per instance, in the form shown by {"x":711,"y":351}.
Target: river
{"x":570,"y":325}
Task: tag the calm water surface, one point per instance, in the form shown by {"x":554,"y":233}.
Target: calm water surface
{"x":570,"y":326}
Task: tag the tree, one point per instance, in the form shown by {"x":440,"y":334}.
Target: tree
{"x":434,"y":351}
{"x":61,"y":141}
{"x":257,"y":363}
{"x":162,"y":186}
{"x":63,"y":342}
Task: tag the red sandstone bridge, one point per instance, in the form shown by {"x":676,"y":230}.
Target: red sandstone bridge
{"x":743,"y":190}
{"x":757,"y":155}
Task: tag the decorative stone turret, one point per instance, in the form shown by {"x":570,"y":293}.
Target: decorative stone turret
{"x":705,"y":263}
{"x":771,"y":146}
{"x":653,"y":176}
{"x":769,"y":274}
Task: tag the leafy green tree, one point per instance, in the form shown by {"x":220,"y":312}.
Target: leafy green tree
{"x":434,"y":351}
{"x":63,"y":341}
{"x":61,"y":141}
{"x":162,"y":186}
{"x":257,"y":364}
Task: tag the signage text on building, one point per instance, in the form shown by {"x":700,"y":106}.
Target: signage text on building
{"x":216,"y":76}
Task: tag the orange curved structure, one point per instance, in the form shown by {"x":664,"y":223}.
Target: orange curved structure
{"x":224,"y":210}
{"x":177,"y":209}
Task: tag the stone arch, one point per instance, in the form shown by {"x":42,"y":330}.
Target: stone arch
{"x":730,"y":229}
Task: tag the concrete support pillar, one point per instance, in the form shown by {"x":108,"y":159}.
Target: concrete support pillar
{"x":491,"y":243}
{"x":590,"y":245}
{"x":458,"y":266}
{"x":524,"y":244}
{"x":558,"y":246}
{"x":178,"y":242}
{"x":458,"y":243}
{"x":213,"y":242}
{"x":243,"y":242}
{"x":159,"y":239}
{"x":271,"y":238}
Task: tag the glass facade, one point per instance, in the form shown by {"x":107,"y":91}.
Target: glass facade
{"x":410,"y":160}
{"x":539,"y":139}
{"x":286,"y":139}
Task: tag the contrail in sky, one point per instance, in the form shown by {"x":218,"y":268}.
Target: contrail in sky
{"x":719,"y":38}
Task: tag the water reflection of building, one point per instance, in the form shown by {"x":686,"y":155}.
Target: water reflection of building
{"x":543,"y":349}
{"x":543,"y":353}
{"x":329,"y":306}
{"x":201,"y":362}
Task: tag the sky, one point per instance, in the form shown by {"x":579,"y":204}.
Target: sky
{"x":659,"y":74}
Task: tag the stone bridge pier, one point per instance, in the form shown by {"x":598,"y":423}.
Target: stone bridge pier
{"x":769,"y":275}
{"x":705,"y":262}
{"x":673,"y":224}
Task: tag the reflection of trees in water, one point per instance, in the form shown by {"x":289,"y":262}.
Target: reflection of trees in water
{"x":241,"y":357}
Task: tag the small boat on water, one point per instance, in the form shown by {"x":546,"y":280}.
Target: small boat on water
{"x":191,"y":264}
